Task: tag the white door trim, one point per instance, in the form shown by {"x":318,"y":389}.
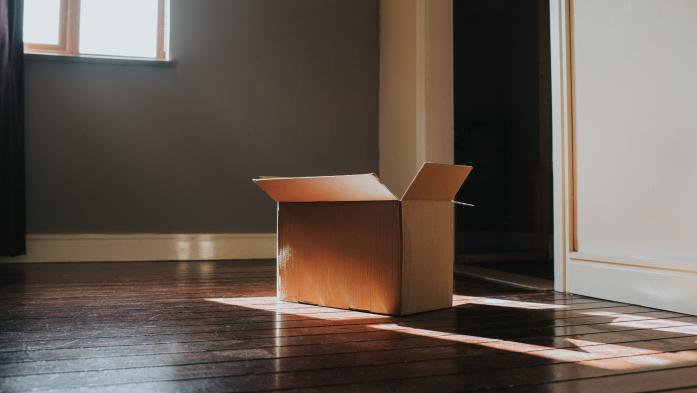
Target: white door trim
{"x":432,"y":23}
{"x":562,"y":137}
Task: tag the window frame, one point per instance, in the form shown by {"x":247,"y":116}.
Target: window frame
{"x":69,"y":34}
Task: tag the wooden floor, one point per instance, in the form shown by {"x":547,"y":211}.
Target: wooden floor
{"x":215,"y":327}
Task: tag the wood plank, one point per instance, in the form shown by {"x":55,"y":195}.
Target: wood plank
{"x":240,"y":324}
{"x":448,"y":323}
{"x":397,"y":348}
{"x":110,"y":328}
{"x":411,"y":360}
{"x":445,"y":326}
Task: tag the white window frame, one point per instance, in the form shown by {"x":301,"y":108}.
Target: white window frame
{"x":69,"y":33}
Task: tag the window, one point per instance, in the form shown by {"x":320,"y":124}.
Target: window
{"x":114,"y":28}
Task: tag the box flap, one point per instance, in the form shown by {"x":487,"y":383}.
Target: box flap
{"x":437,"y":182}
{"x":326,"y":188}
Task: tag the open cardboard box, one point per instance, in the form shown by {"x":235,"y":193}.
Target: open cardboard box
{"x":348,"y":242}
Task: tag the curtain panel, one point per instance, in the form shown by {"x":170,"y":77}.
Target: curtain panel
{"x":12,"y":194}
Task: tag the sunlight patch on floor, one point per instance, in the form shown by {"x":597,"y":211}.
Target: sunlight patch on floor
{"x":272,"y":304}
{"x":584,"y":352}
{"x":642,"y":362}
{"x":588,"y":353}
{"x":639,"y":322}
{"x":459,"y":300}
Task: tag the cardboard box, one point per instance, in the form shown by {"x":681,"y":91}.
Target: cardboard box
{"x":348,"y":242}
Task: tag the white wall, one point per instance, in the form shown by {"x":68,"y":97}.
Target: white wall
{"x":635,"y":102}
{"x":397,"y":118}
{"x":416,"y":88}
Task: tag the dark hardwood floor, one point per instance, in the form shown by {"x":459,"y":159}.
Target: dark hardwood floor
{"x":216,"y":327}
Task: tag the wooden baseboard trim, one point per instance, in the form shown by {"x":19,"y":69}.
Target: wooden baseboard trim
{"x":506,"y":278}
{"x":147,"y":247}
{"x":499,"y":257}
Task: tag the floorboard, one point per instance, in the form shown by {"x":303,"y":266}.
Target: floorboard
{"x":217,"y":327}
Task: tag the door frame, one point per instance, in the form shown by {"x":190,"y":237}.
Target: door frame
{"x":561,"y":48}
{"x":625,"y":278}
{"x":429,"y":22}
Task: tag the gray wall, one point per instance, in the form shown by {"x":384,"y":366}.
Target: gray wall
{"x":260,"y":87}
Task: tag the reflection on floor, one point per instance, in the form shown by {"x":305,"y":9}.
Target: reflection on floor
{"x":504,"y":277}
{"x":209,"y":327}
{"x":538,"y":268}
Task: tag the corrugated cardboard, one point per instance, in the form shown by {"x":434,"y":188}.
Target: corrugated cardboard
{"x":348,"y":242}
{"x":345,"y":188}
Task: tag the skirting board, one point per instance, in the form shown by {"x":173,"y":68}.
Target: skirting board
{"x":501,"y":277}
{"x":146,"y":247}
{"x":673,"y":290}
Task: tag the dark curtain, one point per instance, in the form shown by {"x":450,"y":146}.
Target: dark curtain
{"x":12,"y":214}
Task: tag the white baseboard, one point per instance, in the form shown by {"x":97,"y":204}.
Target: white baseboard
{"x":667,"y":286}
{"x":147,"y":247}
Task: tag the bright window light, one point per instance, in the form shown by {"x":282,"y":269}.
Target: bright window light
{"x":119,"y":28}
{"x":109,"y":28}
{"x":42,"y":21}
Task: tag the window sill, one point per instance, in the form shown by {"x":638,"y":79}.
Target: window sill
{"x":131,"y":61}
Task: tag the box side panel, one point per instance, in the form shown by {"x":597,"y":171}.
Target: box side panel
{"x":280,"y":291}
{"x":427,"y":270}
{"x":341,"y":254}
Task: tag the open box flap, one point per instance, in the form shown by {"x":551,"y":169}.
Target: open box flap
{"x":345,"y":188}
{"x":437,"y":182}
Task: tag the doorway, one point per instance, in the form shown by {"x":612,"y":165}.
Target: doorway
{"x":503,"y":128}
